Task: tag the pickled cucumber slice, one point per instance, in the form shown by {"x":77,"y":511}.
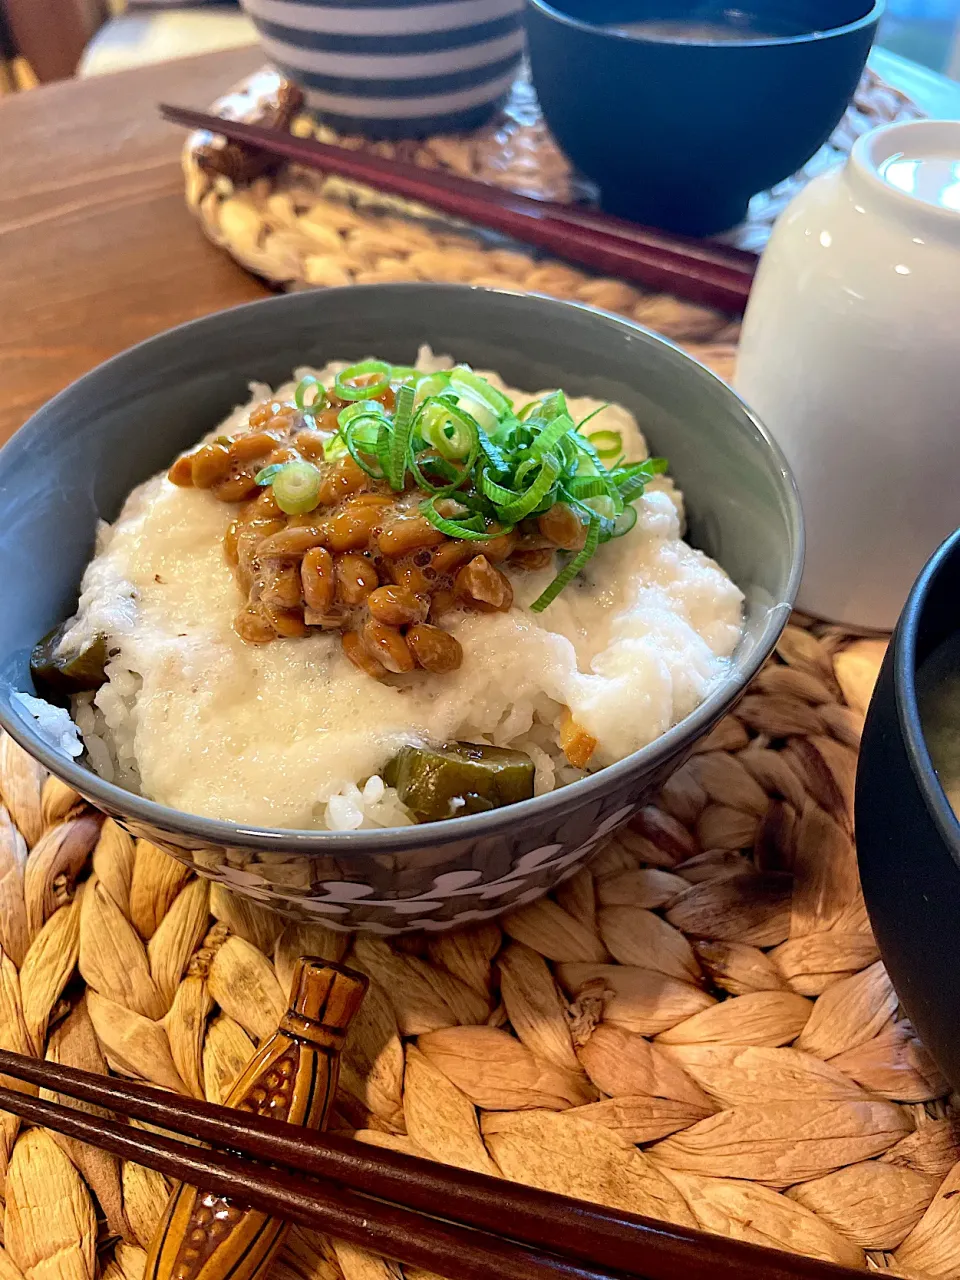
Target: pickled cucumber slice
{"x":459,"y":778}
{"x":66,"y":673}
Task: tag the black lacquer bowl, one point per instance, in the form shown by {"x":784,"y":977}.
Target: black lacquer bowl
{"x":908,"y":838}
{"x":79,"y":456}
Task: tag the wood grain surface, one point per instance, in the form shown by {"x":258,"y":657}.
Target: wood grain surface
{"x":97,"y":249}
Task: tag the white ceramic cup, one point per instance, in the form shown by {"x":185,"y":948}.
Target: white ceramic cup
{"x":850,"y":354}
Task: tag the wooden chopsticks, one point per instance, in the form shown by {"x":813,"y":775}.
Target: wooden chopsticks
{"x":699,"y":270}
{"x":449,"y":1221}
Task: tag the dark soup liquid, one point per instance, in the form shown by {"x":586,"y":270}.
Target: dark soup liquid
{"x":716,"y":31}
{"x":938,"y":696}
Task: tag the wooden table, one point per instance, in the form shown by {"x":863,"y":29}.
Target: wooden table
{"x":97,"y":250}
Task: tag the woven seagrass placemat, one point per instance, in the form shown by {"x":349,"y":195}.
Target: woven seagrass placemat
{"x":697,"y":1027}
{"x":299,"y":228}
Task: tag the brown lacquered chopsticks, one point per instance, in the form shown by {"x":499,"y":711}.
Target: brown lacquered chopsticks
{"x":450,"y":1221}
{"x":701,"y":271}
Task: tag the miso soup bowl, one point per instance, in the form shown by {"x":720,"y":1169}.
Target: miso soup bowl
{"x":679,"y":132}
{"x":908,"y":838}
{"x":76,"y":460}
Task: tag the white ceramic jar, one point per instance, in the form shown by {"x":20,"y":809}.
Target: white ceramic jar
{"x":850,"y":354}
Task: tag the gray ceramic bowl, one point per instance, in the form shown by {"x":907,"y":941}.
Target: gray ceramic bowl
{"x":76,"y":460}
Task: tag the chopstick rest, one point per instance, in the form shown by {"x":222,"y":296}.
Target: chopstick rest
{"x":292,"y":1078}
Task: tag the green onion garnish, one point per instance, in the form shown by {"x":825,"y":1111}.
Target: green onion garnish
{"x":624,"y":522}
{"x":457,"y":436}
{"x":376,"y":375}
{"x":431,"y":384}
{"x":399,"y":450}
{"x":608,"y":444}
{"x":296,"y":487}
{"x":360,"y":409}
{"x":573,"y":567}
{"x":592,"y":414}
{"x":318,"y":399}
{"x":473,"y":529}
{"x":450,"y":430}
{"x":266,"y":476}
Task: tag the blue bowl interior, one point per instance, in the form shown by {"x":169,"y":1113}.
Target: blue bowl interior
{"x":777,"y":19}
{"x":77,"y":459}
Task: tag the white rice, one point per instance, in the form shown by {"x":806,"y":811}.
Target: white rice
{"x":291,"y":735}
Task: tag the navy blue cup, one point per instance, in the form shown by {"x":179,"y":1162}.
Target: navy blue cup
{"x":679,"y":128}
{"x":908,"y":838}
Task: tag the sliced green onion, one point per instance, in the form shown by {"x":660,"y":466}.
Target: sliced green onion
{"x":296,"y":487}
{"x":585,"y":447}
{"x":584,"y":487}
{"x":473,"y":530}
{"x":463,"y":378}
{"x":607,"y":508}
{"x":450,"y":429}
{"x":458,"y":436}
{"x":608,"y":444}
{"x":496,"y":493}
{"x":553,"y":405}
{"x":537,"y":492}
{"x":592,"y":414}
{"x":571,"y":570}
{"x":267,"y":474}
{"x":361,"y":409}
{"x":334,"y":447}
{"x":396,"y":463}
{"x":431,"y":384}
{"x":486,"y":405}
{"x":624,"y":522}
{"x":492,"y":453}
{"x":318,"y":399}
{"x":632,"y":480}
{"x":480,"y":411}
{"x":561,"y":425}
{"x":430,"y":459}
{"x":345,"y":381}
{"x":364,"y":436}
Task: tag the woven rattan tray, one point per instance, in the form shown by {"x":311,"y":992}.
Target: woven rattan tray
{"x":697,"y":1027}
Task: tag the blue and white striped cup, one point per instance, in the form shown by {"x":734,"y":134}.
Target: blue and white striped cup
{"x":395,"y":68}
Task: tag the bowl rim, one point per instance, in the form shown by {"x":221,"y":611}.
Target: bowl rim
{"x":904,"y":644}
{"x":539,"y":810}
{"x":874,"y":15}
